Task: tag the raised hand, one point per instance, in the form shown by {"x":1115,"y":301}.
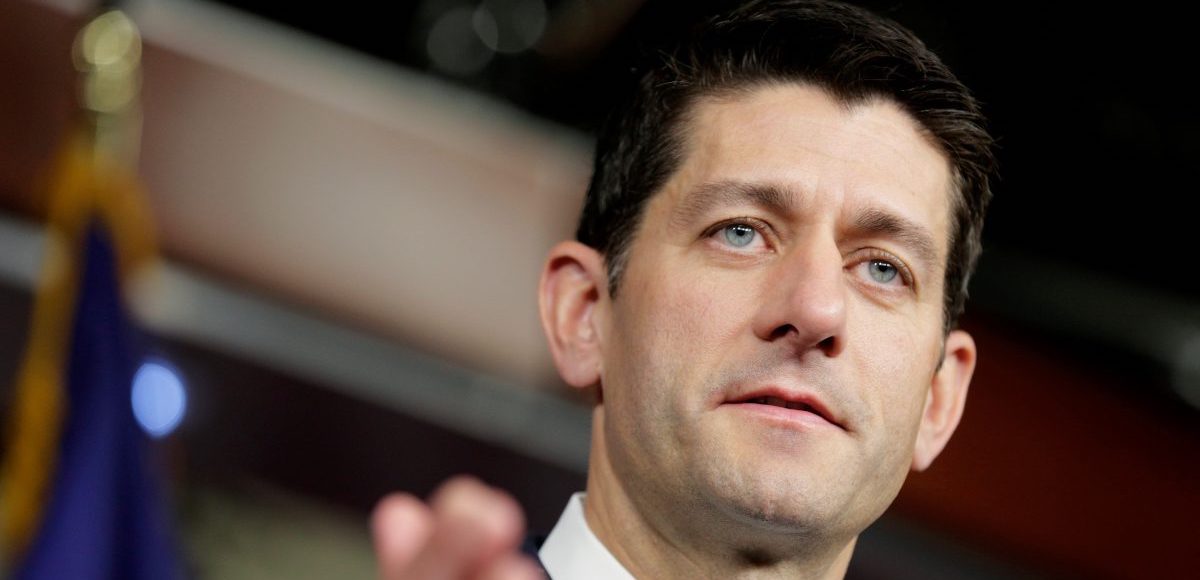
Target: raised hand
{"x":468,"y":530}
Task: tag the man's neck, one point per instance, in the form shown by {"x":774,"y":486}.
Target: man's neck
{"x":649,"y":546}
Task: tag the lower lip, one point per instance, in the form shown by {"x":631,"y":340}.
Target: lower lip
{"x":785,"y":417}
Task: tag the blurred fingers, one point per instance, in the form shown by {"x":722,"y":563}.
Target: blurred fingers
{"x":474,"y":525}
{"x":401,"y":526}
{"x":511,"y":567}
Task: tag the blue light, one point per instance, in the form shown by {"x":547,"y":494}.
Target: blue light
{"x":158,"y":398}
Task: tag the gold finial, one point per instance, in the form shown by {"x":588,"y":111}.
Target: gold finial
{"x":108,"y":54}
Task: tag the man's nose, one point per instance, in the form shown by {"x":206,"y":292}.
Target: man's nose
{"x":805,"y":301}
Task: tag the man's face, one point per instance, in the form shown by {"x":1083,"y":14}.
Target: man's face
{"x":796,"y":260}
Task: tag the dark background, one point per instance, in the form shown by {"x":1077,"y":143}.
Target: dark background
{"x":1092,"y":108}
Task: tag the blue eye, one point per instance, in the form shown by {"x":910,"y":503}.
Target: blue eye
{"x":881,"y":271}
{"x":739,"y":235}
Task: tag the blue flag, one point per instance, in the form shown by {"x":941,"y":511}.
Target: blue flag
{"x":104,"y":519}
{"x":79,"y":498}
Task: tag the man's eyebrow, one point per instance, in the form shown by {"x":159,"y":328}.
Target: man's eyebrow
{"x":916,"y":238}
{"x":703,"y":198}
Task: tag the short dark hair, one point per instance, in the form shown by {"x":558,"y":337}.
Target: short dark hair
{"x":851,"y":53}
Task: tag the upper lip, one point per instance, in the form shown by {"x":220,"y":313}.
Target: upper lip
{"x":792,"y":399}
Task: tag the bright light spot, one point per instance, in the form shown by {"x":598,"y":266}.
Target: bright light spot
{"x":158,"y":398}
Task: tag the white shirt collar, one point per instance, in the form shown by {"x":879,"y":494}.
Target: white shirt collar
{"x":573,"y":552}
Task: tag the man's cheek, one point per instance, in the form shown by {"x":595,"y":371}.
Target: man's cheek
{"x":710,"y":305}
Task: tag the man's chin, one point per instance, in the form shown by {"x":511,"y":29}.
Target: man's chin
{"x":785,"y":526}
{"x":777,"y":501}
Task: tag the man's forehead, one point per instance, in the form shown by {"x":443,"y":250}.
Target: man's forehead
{"x":799,"y":139}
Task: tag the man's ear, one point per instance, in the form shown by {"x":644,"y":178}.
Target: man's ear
{"x":572,"y":282}
{"x":945,"y":400}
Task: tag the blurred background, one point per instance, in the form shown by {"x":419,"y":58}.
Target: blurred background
{"x":352,"y":201}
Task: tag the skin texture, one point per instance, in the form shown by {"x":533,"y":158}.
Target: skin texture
{"x":467,"y":530}
{"x":799,"y":251}
{"x":816,"y":299}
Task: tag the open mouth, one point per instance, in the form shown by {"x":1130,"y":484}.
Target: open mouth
{"x":780,"y":402}
{"x":796,"y":404}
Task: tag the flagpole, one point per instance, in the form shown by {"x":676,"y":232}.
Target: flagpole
{"x":92,"y":180}
{"x":108,"y":55}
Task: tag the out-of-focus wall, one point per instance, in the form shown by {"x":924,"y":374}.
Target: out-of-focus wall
{"x":379,"y":196}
